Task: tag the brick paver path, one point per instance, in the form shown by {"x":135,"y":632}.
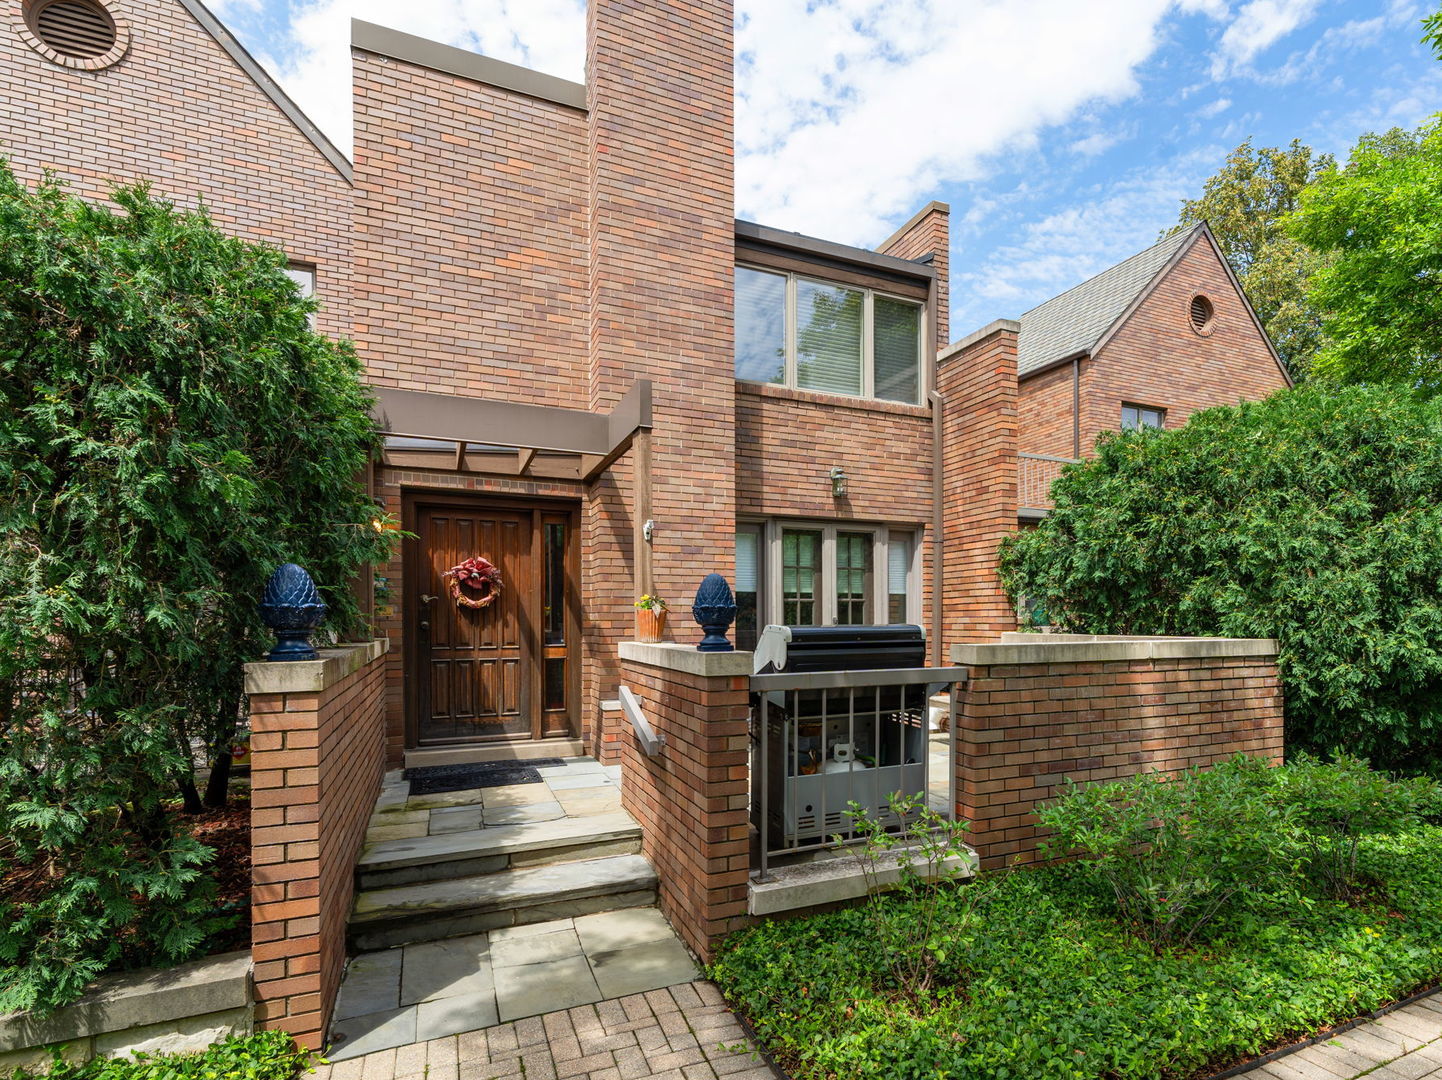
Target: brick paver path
{"x":684,"y":1032}
{"x":1403,"y":1045}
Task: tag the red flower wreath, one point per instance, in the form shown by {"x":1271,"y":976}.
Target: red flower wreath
{"x":476,"y":573}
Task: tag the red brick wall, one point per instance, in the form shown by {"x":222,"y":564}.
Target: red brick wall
{"x":691,"y":799}
{"x":1024,"y":726}
{"x":178,"y":111}
{"x":470,"y":236}
{"x":979,"y":473}
{"x":662,"y":258}
{"x":1155,"y":358}
{"x":316,"y":765}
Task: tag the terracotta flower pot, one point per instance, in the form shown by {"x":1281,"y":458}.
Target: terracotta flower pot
{"x":650,"y":624}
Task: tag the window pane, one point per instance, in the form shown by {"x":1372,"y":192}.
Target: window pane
{"x":828,"y":338}
{"x":853,"y":578}
{"x":555,"y":613}
{"x":800,"y":567}
{"x":897,"y":349}
{"x":555,"y":684}
{"x":748,"y":585}
{"x":898,"y":576}
{"x":760,"y":326}
{"x":1139,"y":416}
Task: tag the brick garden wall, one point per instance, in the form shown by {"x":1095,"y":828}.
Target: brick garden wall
{"x":691,"y":799}
{"x":1098,"y":709}
{"x":317,"y":758}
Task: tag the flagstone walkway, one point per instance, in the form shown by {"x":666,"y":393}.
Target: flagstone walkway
{"x":683,"y":1032}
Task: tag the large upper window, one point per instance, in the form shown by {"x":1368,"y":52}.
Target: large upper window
{"x":816,"y":335}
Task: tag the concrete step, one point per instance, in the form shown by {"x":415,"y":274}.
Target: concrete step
{"x":431,"y":910}
{"x":495,"y":849}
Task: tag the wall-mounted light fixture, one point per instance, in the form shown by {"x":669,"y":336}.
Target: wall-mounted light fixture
{"x":648,"y":530}
{"x":838,"y":482}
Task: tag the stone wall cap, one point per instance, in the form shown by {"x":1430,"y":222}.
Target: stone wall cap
{"x":130,"y":999}
{"x":312,"y":676}
{"x":1016,"y":648}
{"x":685,"y":658}
{"x":996,"y":326}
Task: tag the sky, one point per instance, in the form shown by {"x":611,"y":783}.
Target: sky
{"x":1064,"y":134}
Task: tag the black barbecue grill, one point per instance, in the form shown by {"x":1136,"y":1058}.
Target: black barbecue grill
{"x":841,"y":715}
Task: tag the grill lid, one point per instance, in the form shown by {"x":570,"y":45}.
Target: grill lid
{"x":839,"y":648}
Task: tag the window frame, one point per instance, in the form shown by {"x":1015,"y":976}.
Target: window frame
{"x":770,"y":603}
{"x":868,"y":336}
{"x":1161,"y":415}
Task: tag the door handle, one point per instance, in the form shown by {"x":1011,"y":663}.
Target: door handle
{"x":425,"y":626}
{"x":426,"y":598}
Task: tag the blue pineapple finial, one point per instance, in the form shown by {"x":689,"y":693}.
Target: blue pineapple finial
{"x":292,"y":607}
{"x":714,"y":611}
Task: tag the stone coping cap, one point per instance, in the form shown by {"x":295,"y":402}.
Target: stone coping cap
{"x":673,"y":657}
{"x":312,"y":676}
{"x":130,"y":999}
{"x":1015,"y":648}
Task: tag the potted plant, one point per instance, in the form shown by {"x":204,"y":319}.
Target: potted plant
{"x":650,"y":618}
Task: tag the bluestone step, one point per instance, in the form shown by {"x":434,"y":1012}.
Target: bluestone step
{"x":428,"y":911}
{"x":496,"y":848}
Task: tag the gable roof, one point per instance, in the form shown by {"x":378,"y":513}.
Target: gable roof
{"x":1074,"y":323}
{"x":268,"y":86}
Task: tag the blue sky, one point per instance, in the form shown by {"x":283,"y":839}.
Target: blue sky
{"x":1064,"y":134}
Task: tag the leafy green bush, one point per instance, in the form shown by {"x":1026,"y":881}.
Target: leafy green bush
{"x":929,"y":854}
{"x":266,"y":1055}
{"x":170,"y":431}
{"x":1174,"y":853}
{"x":1338,"y":803}
{"x":1057,"y":989}
{"x":1312,"y":517}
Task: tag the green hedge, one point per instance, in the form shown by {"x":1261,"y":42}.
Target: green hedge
{"x":1048,"y":983}
{"x":266,"y":1055}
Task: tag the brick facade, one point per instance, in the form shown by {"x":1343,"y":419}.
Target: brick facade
{"x":317,"y":757}
{"x":1099,"y":709}
{"x":977,"y":380}
{"x":692,"y":799}
{"x":179,"y":111}
{"x":1155,"y":358}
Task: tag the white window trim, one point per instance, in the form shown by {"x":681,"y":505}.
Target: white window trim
{"x":868,"y":337}
{"x":769,"y":603}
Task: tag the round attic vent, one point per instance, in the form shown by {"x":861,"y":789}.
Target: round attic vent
{"x":1202,"y":314}
{"x":75,"y":33}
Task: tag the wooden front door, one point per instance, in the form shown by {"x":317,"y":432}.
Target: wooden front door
{"x":500,"y":672}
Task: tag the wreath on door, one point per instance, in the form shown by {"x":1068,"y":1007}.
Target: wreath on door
{"x":475,"y":583}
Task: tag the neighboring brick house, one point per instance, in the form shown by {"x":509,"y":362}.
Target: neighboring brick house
{"x":1146,"y":343}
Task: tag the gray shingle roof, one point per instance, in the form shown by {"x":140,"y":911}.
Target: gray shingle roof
{"x":1076,"y":320}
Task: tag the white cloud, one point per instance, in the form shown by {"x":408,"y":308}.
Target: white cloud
{"x":314,"y":64}
{"x":850,"y":111}
{"x":1099,"y":228}
{"x":1215,"y":108}
{"x":1258,"y":25}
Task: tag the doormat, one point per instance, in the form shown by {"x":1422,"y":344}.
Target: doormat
{"x":434,"y":779}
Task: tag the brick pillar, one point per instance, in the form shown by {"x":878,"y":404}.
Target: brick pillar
{"x":661,"y":264}
{"x":977,"y":379}
{"x":929,"y":233}
{"x":317,"y":757}
{"x":691,"y":799}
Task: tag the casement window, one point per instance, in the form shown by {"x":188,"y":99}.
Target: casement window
{"x":1136,"y":417}
{"x":823,"y":574}
{"x":809,"y":334}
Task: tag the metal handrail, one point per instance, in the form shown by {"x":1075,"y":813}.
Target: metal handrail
{"x":1047,"y":457}
{"x":651,"y":742}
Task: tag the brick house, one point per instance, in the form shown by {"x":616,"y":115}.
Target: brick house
{"x":589,"y":370}
{"x":1145,"y":343}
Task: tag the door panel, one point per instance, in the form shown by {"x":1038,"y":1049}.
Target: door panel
{"x":473,"y":663}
